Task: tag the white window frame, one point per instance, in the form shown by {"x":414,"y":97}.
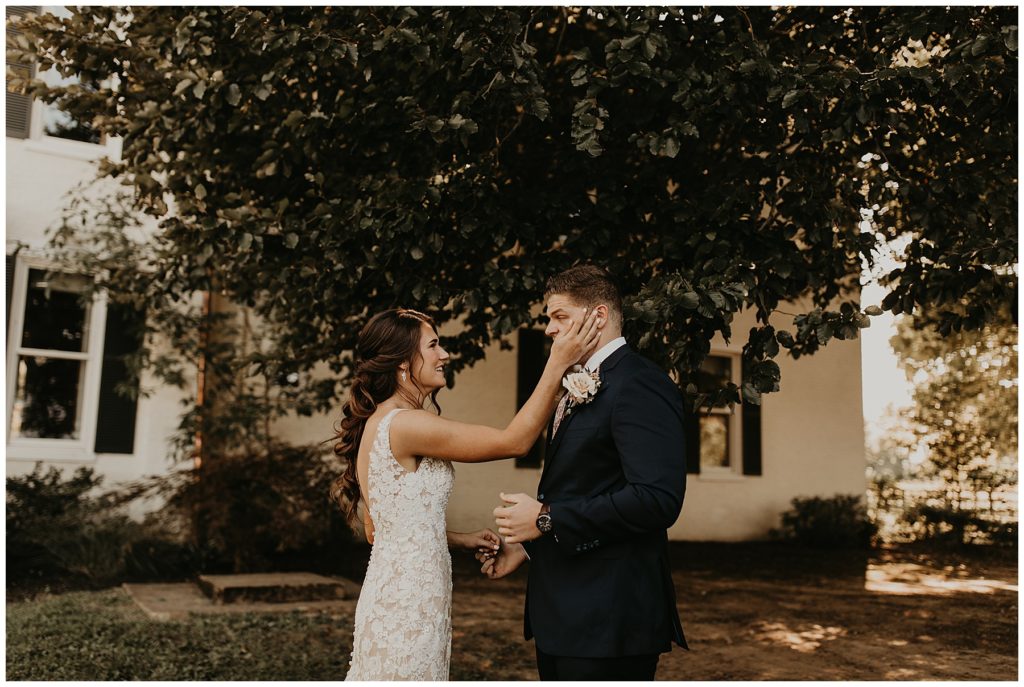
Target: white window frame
{"x":734,"y":471}
{"x":39,"y":142}
{"x":55,"y":450}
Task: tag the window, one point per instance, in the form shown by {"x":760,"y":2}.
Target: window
{"x":51,"y":358}
{"x":37,"y":120}
{"x":59,"y":123}
{"x":723,"y":441}
{"x":65,"y":358}
{"x":531,"y":356}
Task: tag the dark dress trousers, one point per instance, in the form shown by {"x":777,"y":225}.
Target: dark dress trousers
{"x":599,"y":584}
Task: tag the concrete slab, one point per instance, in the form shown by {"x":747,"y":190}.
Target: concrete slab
{"x":176,"y":601}
{"x":275,"y":587}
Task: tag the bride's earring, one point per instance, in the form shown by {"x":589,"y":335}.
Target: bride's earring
{"x":403,"y":375}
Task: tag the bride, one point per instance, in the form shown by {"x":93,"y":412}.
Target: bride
{"x":403,"y":617}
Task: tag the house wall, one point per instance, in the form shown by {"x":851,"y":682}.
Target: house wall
{"x":812,"y":442}
{"x":40,"y":173}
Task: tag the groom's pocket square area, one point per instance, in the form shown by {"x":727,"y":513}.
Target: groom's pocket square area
{"x":585,"y":424}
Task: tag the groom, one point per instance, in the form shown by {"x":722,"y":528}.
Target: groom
{"x":600,"y":601}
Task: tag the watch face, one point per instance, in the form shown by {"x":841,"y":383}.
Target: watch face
{"x":544,"y":522}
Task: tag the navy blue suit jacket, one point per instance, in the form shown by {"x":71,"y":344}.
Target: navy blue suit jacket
{"x":600,"y":584}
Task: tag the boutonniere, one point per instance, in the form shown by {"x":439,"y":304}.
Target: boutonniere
{"x":582,"y":386}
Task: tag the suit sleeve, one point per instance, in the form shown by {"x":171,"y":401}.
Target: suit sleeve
{"x":647,"y":427}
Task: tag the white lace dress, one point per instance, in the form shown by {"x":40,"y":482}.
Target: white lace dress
{"x":403,"y":627}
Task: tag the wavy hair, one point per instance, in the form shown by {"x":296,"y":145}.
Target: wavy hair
{"x":390,"y":338}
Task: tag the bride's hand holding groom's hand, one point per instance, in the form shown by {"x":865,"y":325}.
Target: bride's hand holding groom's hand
{"x":484,"y":541}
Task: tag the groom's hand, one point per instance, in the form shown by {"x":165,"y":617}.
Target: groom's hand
{"x":507,"y":561}
{"x":517,"y":520}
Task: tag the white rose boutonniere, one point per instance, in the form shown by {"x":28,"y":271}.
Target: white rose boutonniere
{"x":582,"y":387}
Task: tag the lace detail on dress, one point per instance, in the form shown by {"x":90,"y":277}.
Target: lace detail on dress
{"x":403,"y":627}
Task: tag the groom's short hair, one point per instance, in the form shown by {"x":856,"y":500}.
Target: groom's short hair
{"x":588,"y":285}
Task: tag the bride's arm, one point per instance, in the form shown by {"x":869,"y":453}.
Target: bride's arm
{"x":421,"y":433}
{"x":368,"y":527}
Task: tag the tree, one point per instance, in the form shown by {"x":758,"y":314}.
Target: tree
{"x":965,"y":413}
{"x":318,"y":164}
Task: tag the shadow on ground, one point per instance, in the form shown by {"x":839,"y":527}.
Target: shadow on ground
{"x":752,"y":611}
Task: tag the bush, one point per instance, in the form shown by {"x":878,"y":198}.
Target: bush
{"x":258,"y":510}
{"x":55,"y":528}
{"x":943,"y":523}
{"x":837,"y":522}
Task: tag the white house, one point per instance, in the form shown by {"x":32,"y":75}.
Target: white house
{"x":63,"y":362}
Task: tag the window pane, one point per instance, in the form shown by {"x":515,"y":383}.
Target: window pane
{"x":47,"y":399}
{"x":714,"y":373}
{"x":57,"y":122}
{"x":55,"y":317}
{"x":714,"y":441}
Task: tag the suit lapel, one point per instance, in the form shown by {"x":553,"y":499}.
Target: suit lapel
{"x":605,"y":367}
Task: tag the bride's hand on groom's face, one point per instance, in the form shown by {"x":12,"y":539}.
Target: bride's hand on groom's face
{"x":577,"y":341}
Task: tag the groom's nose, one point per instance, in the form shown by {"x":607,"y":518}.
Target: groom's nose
{"x":552,"y":330}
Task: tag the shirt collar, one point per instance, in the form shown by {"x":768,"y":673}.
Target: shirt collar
{"x":601,"y":354}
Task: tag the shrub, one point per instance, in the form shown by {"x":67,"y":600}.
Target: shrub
{"x":943,"y":523}
{"x":837,"y":522}
{"x":259,"y":509}
{"x":56,"y":528}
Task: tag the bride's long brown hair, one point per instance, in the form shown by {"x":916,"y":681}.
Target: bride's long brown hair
{"x":390,"y":338}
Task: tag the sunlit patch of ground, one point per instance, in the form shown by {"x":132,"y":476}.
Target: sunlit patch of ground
{"x":802,"y":640}
{"x":910,"y":578}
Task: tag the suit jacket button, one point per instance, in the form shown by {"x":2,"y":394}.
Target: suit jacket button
{"x":540,"y":497}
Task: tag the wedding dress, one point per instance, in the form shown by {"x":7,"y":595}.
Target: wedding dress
{"x":403,"y":626}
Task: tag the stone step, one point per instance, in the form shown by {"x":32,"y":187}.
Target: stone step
{"x":275,"y":588}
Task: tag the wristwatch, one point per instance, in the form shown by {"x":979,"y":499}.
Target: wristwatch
{"x":544,"y":519}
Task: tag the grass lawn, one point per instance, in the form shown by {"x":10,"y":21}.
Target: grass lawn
{"x":103,"y":636}
{"x":750,"y":611}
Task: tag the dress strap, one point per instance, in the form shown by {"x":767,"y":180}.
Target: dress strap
{"x":382,"y":441}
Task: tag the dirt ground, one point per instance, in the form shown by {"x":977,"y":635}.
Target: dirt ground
{"x":771,"y":612}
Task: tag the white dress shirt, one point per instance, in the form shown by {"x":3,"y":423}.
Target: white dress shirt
{"x":601,"y":354}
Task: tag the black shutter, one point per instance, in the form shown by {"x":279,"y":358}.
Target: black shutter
{"x":751,"y":436}
{"x":531,"y":358}
{"x":691,"y":429}
{"x":115,"y":421}
{"x":11,"y":261}
{"x":19,"y":105}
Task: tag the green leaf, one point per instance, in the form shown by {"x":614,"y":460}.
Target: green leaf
{"x":291,"y":240}
{"x":650,"y":49}
{"x":670,"y":148}
{"x":234,"y":95}
{"x":628,"y":43}
{"x":1010,"y":38}
{"x":416,"y":252}
{"x":791,"y":98}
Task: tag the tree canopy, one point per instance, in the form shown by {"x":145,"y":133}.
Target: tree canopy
{"x":322,"y":163}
